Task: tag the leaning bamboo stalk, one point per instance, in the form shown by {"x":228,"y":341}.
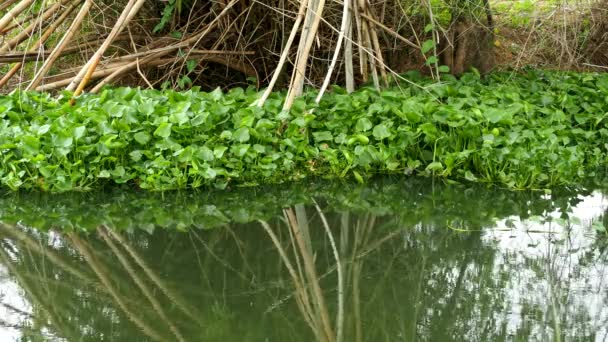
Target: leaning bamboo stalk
{"x":38,"y":44}
{"x":367,"y":40}
{"x":113,"y":70}
{"x":83,"y":77}
{"x":348,"y":54}
{"x":306,"y":27}
{"x":36,"y":24}
{"x":14,"y":12}
{"x":279,"y":68}
{"x":300,"y":69}
{"x":343,"y":28}
{"x":84,"y":10}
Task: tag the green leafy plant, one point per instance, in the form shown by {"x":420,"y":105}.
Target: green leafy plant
{"x":535,"y":130}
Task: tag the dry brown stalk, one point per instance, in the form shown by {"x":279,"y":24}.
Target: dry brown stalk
{"x":84,"y":10}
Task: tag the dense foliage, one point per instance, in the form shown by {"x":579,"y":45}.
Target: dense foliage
{"x":533,"y":130}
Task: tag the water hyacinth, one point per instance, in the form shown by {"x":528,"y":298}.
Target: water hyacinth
{"x":532,"y":130}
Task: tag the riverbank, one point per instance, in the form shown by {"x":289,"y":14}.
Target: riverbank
{"x":522,"y":131}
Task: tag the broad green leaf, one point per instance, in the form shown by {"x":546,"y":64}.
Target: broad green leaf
{"x":142,"y":137}
{"x":163,"y":130}
{"x":381,"y":131}
{"x":427,"y":46}
{"x":241,"y":135}
{"x":363,"y":124}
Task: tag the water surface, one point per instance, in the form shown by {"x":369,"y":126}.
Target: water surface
{"x":418,"y":261}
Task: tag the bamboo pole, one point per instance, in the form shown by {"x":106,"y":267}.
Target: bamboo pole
{"x":84,"y":10}
{"x":348,"y":53}
{"x":38,"y":44}
{"x":285,"y":54}
{"x":343,"y":28}
{"x":378,"y":52}
{"x":301,"y":61}
{"x":14,"y":12}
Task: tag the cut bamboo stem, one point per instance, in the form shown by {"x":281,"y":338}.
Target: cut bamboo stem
{"x":84,"y":10}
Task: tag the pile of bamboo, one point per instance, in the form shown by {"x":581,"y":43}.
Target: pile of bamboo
{"x":226,"y":32}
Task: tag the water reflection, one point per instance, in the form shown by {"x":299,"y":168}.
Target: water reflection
{"x":393,"y":261}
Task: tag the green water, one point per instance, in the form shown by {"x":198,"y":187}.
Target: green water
{"x":418,"y":261}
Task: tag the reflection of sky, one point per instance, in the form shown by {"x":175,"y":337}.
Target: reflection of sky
{"x":562,"y":285}
{"x":11,"y":297}
{"x":561,"y":281}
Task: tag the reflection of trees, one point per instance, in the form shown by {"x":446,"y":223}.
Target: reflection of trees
{"x":404,"y":277}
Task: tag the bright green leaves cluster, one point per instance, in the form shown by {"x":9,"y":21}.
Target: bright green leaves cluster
{"x":533,"y":130}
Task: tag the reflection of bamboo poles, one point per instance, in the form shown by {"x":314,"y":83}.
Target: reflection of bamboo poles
{"x":140,"y":283}
{"x":181,"y":304}
{"x":18,"y":234}
{"x":340,"y":314}
{"x":105,"y":280}
{"x":311,"y":273}
{"x":36,"y":298}
{"x":301,"y":293}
